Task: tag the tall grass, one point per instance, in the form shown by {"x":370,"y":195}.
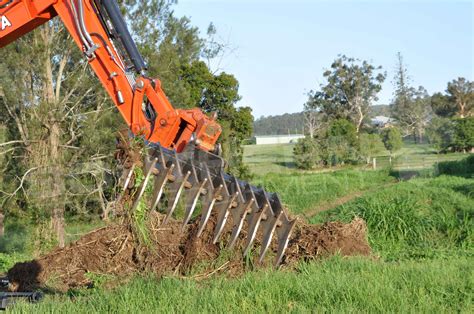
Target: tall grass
{"x":334,"y":285}
{"x":419,"y":218}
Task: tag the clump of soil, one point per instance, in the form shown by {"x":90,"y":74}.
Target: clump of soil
{"x":115,"y":250}
{"x":311,"y":241}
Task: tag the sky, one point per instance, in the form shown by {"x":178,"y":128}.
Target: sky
{"x":280,"y":48}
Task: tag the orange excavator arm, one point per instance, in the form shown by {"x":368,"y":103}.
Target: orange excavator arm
{"x":99,"y":30}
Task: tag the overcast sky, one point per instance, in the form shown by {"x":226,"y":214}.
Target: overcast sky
{"x":281,"y":47}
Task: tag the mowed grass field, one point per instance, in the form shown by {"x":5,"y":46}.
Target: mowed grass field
{"x":421,"y":232}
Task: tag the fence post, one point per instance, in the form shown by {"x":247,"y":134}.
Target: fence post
{"x":374,"y":164}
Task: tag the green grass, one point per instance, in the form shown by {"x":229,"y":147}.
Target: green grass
{"x":263,"y":159}
{"x":415,"y":219}
{"x":333,"y":285}
{"x":304,"y":191}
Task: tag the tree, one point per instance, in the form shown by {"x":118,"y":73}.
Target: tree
{"x":352,"y":86}
{"x":312,"y":116}
{"x":411,"y":107}
{"x":370,"y":145}
{"x":306,"y":152}
{"x":341,"y":144}
{"x":461,"y":92}
{"x":219,"y":93}
{"x":463,"y":139}
{"x":46,"y":103}
{"x":442,"y":105}
{"x":392,"y":139}
{"x":440,"y":133}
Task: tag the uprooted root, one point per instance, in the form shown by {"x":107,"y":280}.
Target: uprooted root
{"x":115,"y":250}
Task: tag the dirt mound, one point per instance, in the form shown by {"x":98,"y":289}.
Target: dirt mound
{"x":115,"y":250}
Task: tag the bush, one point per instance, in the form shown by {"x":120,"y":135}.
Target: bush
{"x":370,"y":145}
{"x":306,"y":153}
{"x":392,"y":139}
{"x":339,"y":150}
{"x":463,"y":139}
{"x":440,"y":133}
{"x":344,"y":129}
{"x":341,"y":144}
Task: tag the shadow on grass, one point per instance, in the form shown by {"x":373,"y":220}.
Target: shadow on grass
{"x":466,"y":189}
{"x":461,"y":168}
{"x":405,"y":175}
{"x":286,"y":164}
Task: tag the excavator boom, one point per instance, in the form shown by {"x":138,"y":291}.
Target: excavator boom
{"x":182,"y":142}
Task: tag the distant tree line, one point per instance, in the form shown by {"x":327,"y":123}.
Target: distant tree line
{"x":288,"y":123}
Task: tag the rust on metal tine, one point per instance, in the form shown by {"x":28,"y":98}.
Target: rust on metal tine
{"x":269,"y":228}
{"x":283,"y":235}
{"x":222,"y":217}
{"x":255,"y":219}
{"x":206,"y":213}
{"x":159,"y":186}
{"x":191,"y":206}
{"x":143,"y":185}
{"x":239,"y":218}
{"x":175,"y":198}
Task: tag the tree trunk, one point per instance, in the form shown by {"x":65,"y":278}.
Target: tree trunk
{"x":2,"y":227}
{"x":361,"y":118}
{"x":58,"y":184}
{"x":462,"y":109}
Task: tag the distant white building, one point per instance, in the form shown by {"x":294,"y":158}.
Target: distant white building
{"x":277,"y":139}
{"x":381,"y":121}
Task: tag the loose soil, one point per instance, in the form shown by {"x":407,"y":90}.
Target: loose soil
{"x":115,"y":250}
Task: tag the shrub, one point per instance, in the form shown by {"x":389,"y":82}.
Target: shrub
{"x":440,"y":133}
{"x":306,"y":153}
{"x":344,"y":129}
{"x":370,"y":145}
{"x":392,"y":139}
{"x":463,"y":139}
{"x":341,"y":144}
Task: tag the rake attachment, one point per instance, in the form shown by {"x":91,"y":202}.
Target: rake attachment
{"x":196,"y":175}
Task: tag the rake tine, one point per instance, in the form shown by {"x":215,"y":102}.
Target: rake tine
{"x":222,"y":217}
{"x":159,"y":186}
{"x":283,"y":234}
{"x":192,"y":202}
{"x":239,"y":218}
{"x":176,"y":197}
{"x":128,"y":177}
{"x":206,"y":213}
{"x":255,"y":220}
{"x":144,"y":184}
{"x":268,"y":231}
